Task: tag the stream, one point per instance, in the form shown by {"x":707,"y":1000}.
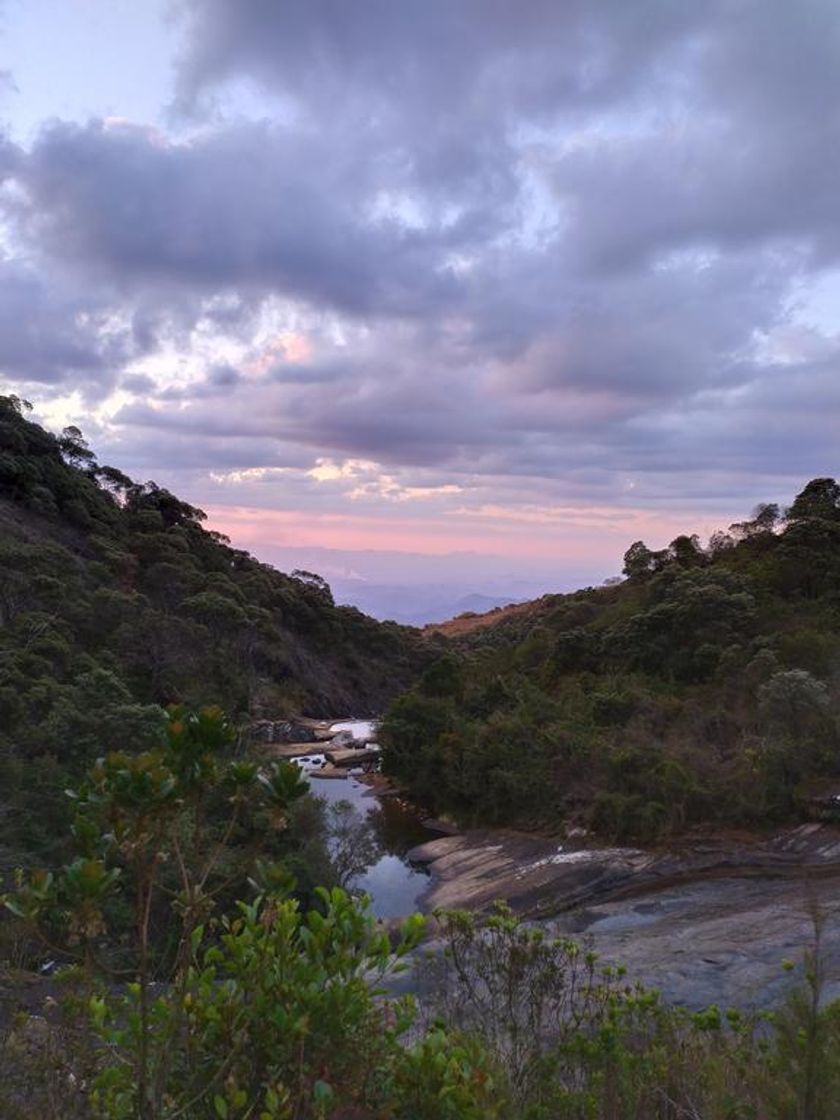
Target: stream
{"x":705,"y":922}
{"x":393,"y":883}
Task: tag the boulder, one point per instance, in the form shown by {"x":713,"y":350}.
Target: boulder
{"x":342,"y":739}
{"x":323,"y":733}
{"x":262,"y":731}
{"x":302,"y":732}
{"x":281,"y":731}
{"x":290,"y":750}
{"x":329,"y":771}
{"x":348,"y":756}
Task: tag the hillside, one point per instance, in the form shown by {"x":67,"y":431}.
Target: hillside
{"x":470,"y":621}
{"x":702,"y":689}
{"x":115,"y":599}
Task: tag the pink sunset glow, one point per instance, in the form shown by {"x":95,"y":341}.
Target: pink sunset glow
{"x":599,"y":536}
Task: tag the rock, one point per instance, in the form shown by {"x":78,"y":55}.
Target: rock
{"x":343,"y":731}
{"x":717,"y":941}
{"x":262,"y":731}
{"x":281,"y":731}
{"x":342,"y":739}
{"x":289,"y":750}
{"x":441,"y":825}
{"x":302,"y":732}
{"x":325,"y":733}
{"x":709,"y":922}
{"x":330,"y":771}
{"x":350,"y":756}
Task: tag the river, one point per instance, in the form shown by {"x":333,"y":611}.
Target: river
{"x":392,"y":882}
{"x":708,"y":921}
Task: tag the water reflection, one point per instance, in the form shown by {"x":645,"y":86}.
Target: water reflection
{"x":353,"y":844}
{"x":393,"y":826}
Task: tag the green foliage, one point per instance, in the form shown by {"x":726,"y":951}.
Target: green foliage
{"x":702,"y":689}
{"x":115,"y":601}
{"x":257,"y":1008}
{"x":572,"y":1038}
{"x":261,"y":1008}
{"x":275,"y":1011}
{"x":820,"y":500}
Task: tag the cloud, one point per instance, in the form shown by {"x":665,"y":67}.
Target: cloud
{"x":506,"y":257}
{"x":251,"y":209}
{"x":50,"y":336}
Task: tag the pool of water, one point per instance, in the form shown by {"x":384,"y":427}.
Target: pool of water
{"x":394,"y":884}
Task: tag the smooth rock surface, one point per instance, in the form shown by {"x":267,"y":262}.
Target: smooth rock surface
{"x":712,"y":922}
{"x":349,"y":756}
{"x":721,"y":941}
{"x":291,"y":750}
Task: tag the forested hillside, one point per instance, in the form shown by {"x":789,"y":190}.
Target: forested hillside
{"x":702,"y":688}
{"x":114,"y":600}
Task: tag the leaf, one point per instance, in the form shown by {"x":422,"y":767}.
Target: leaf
{"x":322,"y":1092}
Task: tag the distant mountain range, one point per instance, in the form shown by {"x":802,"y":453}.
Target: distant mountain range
{"x":418,"y":604}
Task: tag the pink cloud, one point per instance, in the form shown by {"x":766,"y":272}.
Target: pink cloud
{"x":592,"y":536}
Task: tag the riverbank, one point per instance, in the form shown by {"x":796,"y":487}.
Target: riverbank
{"x":540,"y":876}
{"x":709,"y":920}
{"x":708,"y":923}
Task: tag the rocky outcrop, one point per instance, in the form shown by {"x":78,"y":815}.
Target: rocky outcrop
{"x":299,"y":730}
{"x":330,"y":771}
{"x":540,"y":876}
{"x":718,"y":940}
{"x":348,"y":756}
{"x":291,"y":750}
{"x":341,"y":739}
{"x":281,"y":731}
{"x":712,"y":922}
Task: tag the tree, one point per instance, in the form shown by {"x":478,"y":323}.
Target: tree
{"x":639,"y":561}
{"x":352,"y":842}
{"x":763,"y":521}
{"x":75,"y":449}
{"x":794,"y":703}
{"x":316,"y":582}
{"x":114,"y":482}
{"x":766,"y":516}
{"x":443,"y":680}
{"x":720,"y":542}
{"x":12,"y":405}
{"x":686,"y":551}
{"x":256,"y":1011}
{"x":819,"y":500}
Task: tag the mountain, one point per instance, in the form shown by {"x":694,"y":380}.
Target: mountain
{"x":415,"y":604}
{"x":114,"y":600}
{"x":702,"y":689}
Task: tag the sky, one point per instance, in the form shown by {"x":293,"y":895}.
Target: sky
{"x":463,"y":293}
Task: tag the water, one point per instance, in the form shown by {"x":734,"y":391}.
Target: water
{"x":394,"y":885}
{"x":363,"y":730}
